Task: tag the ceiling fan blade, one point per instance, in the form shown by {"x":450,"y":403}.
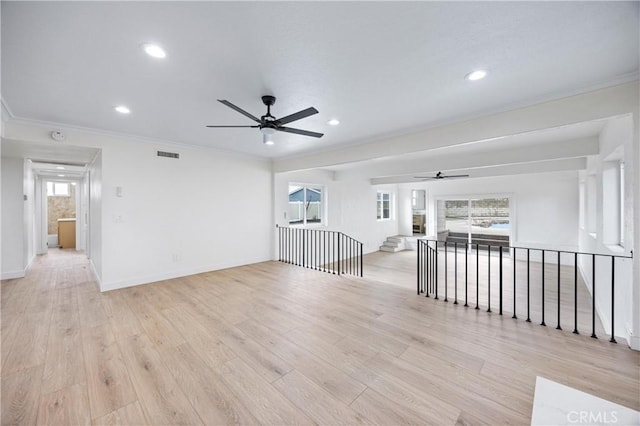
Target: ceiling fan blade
{"x":300,"y":132}
{"x":454,"y":176}
{"x":297,"y":116}
{"x":240,"y":110}
{"x":253,"y":127}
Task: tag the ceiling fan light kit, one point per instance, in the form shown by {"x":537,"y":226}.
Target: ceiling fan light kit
{"x":269,"y":125}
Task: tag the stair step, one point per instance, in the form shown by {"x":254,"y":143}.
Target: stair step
{"x":390,"y":249}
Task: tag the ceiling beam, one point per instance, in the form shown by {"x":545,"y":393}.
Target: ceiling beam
{"x":599,"y":104}
{"x":573,"y":148}
{"x":502,"y":170}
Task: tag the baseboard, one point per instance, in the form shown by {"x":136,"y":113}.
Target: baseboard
{"x":95,"y":273}
{"x":13,"y":275}
{"x":169,"y":275}
{"x":632,"y":340}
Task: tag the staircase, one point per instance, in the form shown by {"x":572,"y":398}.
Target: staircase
{"x":393,"y":244}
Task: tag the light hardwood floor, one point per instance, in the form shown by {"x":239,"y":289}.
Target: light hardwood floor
{"x":276,"y":344}
{"x":399,"y":269}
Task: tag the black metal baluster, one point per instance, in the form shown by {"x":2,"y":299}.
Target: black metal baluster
{"x":455,"y":270}
{"x":542,"y":323}
{"x":466,"y":275}
{"x":339,"y":252}
{"x":350,"y":256}
{"x":575,"y":293}
{"x":477,"y":275}
{"x":613,"y":297}
{"x":427,"y":269}
{"x":436,"y":262}
{"x":446,"y":272}
{"x":333,"y":250}
{"x":323,"y":257}
{"x":558,"y":326}
{"x":433,"y":270}
{"x":418,"y":270}
{"x":528,"y":286}
{"x":500,"y":281}
{"x":488,"y":278}
{"x":514,"y":284}
{"x":361,"y":259}
{"x":593,"y":296}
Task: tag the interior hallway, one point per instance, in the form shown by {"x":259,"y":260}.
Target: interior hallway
{"x":272,"y":343}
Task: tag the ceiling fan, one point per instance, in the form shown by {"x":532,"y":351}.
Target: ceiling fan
{"x":439,"y":175}
{"x":268,"y":124}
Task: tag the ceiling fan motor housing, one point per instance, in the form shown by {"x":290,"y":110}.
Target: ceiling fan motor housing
{"x":268,"y":100}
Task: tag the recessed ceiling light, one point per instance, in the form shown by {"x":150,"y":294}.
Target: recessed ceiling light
{"x":154,"y":50}
{"x":59,"y":167}
{"x":476,"y":75}
{"x":122,"y":109}
{"x":60,"y":175}
{"x":333,"y":122}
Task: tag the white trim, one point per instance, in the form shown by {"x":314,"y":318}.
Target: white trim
{"x":632,"y":340}
{"x":95,"y":274}
{"x":149,"y":279}
{"x":13,"y":274}
{"x":17,"y":274}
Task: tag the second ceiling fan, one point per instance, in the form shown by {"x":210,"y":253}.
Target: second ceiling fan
{"x":439,"y":175}
{"x":268,"y":124}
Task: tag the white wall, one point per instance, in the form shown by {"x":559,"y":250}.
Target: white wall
{"x":13,"y":232}
{"x":616,"y":143}
{"x":351,"y":206}
{"x":208,"y":210}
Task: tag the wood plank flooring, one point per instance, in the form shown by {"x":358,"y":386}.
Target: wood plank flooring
{"x":276,"y":344}
{"x":399,"y":269}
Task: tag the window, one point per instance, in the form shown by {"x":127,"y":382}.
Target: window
{"x":57,"y":189}
{"x":591,"y":205}
{"x":418,"y":199}
{"x":384,"y":205}
{"x":306,"y":204}
{"x":613,"y":203}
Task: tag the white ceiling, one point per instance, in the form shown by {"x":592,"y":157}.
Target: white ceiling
{"x":382,"y":68}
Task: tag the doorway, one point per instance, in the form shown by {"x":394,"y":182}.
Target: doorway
{"x":61,"y":213}
{"x":61,"y":206}
{"x":419,"y":212}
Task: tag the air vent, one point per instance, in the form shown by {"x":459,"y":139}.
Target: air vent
{"x":168,"y":154}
